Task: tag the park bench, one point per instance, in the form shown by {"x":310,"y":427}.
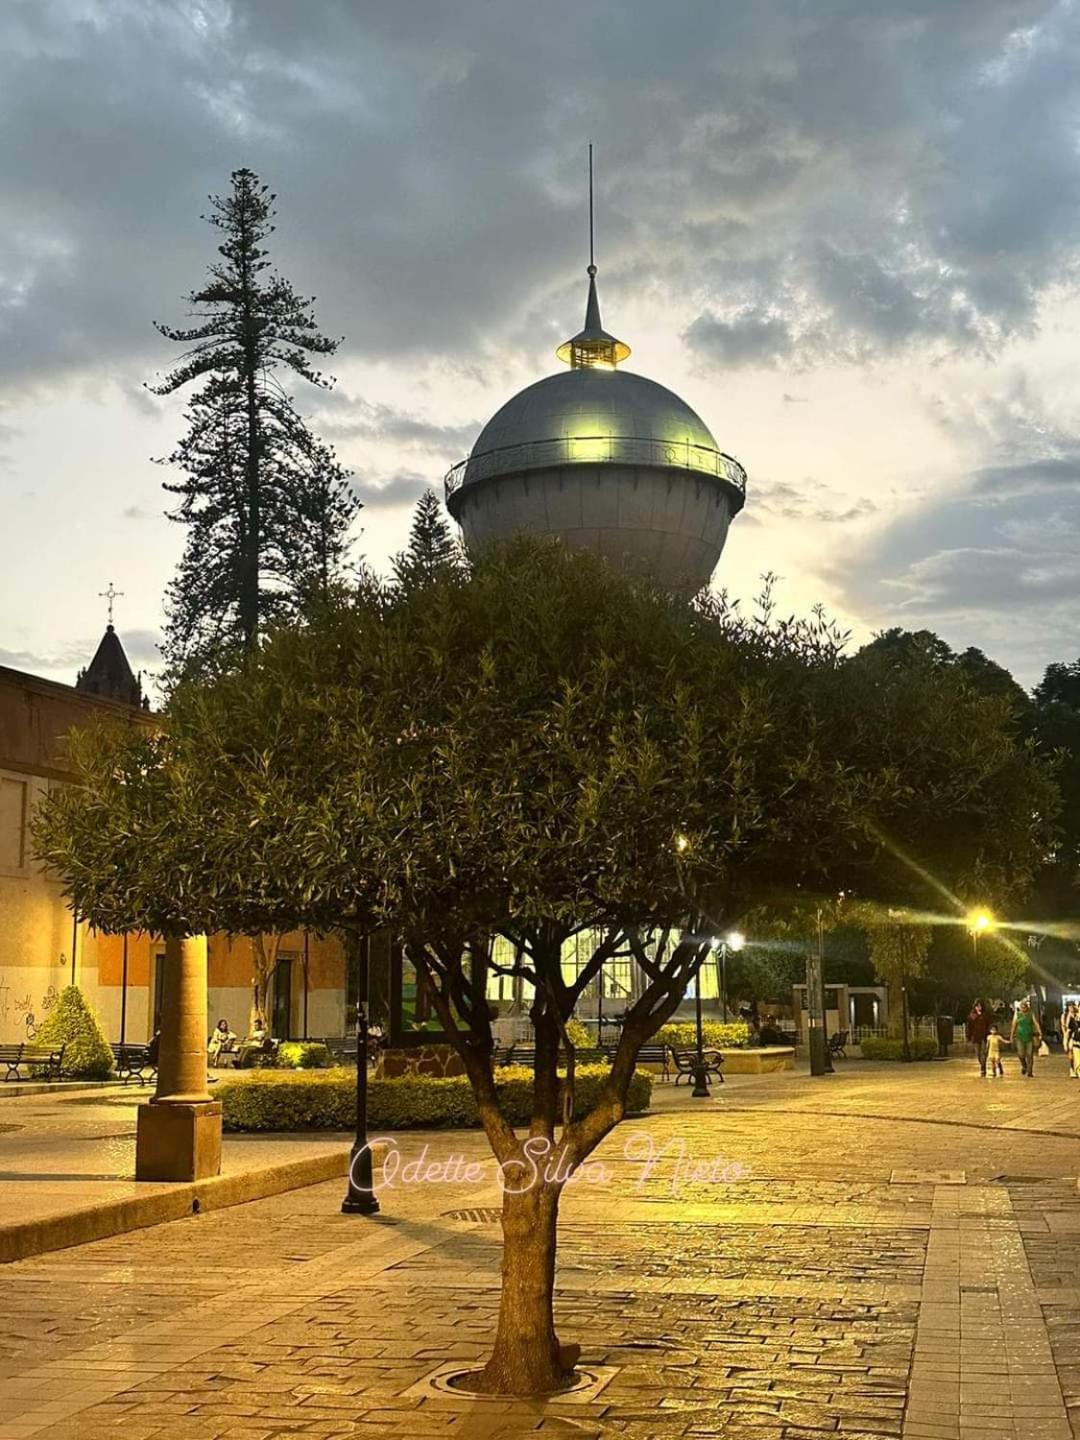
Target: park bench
{"x":36,"y":1058}
{"x":583,"y":1055}
{"x":342,"y":1048}
{"x":837,"y":1044}
{"x":686,"y":1063}
{"x":654,"y":1054}
{"x":133,"y":1064}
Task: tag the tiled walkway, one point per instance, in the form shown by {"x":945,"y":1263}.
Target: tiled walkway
{"x":900,"y":1257}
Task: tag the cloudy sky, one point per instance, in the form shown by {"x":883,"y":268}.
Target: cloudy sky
{"x":846,"y":231}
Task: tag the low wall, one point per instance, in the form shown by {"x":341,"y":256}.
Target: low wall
{"x":759,"y":1061}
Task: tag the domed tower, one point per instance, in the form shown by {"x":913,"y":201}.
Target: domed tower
{"x":605,"y":460}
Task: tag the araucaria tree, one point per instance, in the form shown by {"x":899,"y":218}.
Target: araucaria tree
{"x":433,"y":549}
{"x":538,"y":751}
{"x":266,"y":505}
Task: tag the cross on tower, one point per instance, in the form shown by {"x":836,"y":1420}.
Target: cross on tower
{"x":110,"y":594}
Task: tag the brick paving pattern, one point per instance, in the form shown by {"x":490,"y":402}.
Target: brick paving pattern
{"x":899,"y":1259}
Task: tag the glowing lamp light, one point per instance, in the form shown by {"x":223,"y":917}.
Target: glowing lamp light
{"x":735,"y":941}
{"x":682,"y":843}
{"x":980,"y":921}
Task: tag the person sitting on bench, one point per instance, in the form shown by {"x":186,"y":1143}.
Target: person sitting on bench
{"x":222,"y":1042}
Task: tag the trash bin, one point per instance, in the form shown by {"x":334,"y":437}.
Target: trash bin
{"x":944,"y":1034}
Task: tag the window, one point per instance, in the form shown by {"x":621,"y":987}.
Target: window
{"x":12,"y":823}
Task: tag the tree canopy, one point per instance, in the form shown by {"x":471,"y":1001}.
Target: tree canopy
{"x":536,"y":750}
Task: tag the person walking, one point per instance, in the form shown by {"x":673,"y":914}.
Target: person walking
{"x":978,"y":1026}
{"x":1070,"y":1038}
{"x":1026,"y":1036}
{"x":993,"y":1055}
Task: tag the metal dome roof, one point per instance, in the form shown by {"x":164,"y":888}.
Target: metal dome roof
{"x":594,"y":415}
{"x":593,"y":402}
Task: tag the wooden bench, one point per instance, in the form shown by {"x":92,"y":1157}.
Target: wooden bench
{"x":649,"y":1054}
{"x":837,"y":1044}
{"x":132,"y":1063}
{"x":341,"y":1048}
{"x":685,"y":1062}
{"x":40,"y":1057}
{"x":526,"y":1055}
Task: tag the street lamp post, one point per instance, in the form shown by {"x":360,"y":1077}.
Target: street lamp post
{"x":360,"y":1197}
{"x":734,"y":941}
{"x":701,"y":1076}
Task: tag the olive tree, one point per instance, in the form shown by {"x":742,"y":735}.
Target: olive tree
{"x":536,"y":751}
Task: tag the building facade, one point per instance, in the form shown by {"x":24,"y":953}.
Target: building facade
{"x":42,"y":945}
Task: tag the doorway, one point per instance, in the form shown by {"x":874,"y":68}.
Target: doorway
{"x":281,"y":1009}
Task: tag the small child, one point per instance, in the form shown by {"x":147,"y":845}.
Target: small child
{"x":993,"y":1054}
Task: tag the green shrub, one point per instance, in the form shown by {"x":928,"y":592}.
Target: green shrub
{"x":877,"y":1047}
{"x":303,"y":1055}
{"x":579,"y":1035}
{"x":291,"y":1100}
{"x":74,"y":1025}
{"x":723,"y":1035}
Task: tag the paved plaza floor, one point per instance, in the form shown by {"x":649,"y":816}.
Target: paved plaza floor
{"x":888,"y":1251}
{"x":71,"y":1149}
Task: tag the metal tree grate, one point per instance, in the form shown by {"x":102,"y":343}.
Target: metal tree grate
{"x":480,"y":1215}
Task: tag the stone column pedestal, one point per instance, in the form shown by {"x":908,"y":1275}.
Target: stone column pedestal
{"x":178,"y":1142}
{"x":179,"y":1130}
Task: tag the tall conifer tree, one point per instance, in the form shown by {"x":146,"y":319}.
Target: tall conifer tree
{"x":432,"y":549}
{"x":267,"y":505}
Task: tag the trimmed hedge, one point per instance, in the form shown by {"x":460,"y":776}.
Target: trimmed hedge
{"x":74,"y":1025}
{"x":303,"y":1055}
{"x":326,"y":1100}
{"x":682,"y":1034}
{"x":877,"y":1047}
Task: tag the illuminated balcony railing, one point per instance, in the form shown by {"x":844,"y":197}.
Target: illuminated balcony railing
{"x":597,"y":450}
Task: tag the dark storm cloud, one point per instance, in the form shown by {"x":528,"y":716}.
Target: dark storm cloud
{"x":746,"y":339}
{"x":1046,"y":474}
{"x":828,"y":180}
{"x":349,"y":417}
{"x":996,"y":560}
{"x":812,"y":502}
{"x":400,"y":489}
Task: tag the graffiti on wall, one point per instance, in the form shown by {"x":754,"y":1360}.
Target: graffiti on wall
{"x":12,"y":1004}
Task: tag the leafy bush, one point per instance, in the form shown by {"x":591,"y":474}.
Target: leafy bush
{"x":877,"y":1047}
{"x":303,"y":1055}
{"x":682,"y":1034}
{"x":73,"y":1024}
{"x":579,"y":1035}
{"x":289,"y":1100}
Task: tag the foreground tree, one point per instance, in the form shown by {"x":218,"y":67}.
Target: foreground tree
{"x":540,"y":751}
{"x":266,"y":506}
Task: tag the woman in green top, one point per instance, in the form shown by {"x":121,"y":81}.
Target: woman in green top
{"x":1026,"y":1036}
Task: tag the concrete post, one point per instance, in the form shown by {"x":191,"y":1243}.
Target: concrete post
{"x":179,"y":1130}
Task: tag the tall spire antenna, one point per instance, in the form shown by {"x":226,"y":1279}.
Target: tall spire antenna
{"x":592,"y":262}
{"x":592,"y":347}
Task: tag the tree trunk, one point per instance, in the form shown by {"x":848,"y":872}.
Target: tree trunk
{"x":526,"y":1359}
